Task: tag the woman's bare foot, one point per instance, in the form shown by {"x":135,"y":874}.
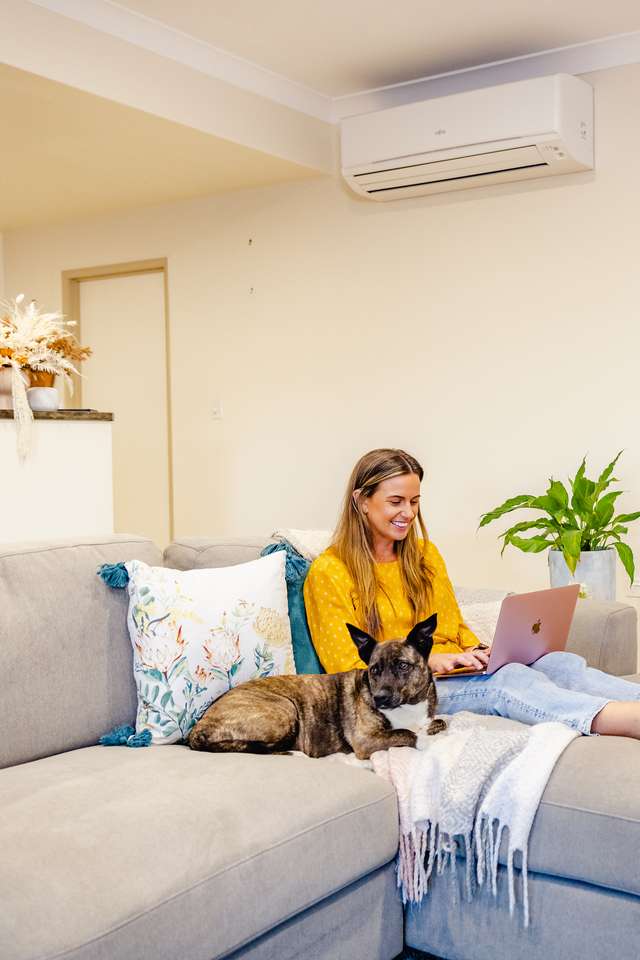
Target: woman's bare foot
{"x":620,"y":718}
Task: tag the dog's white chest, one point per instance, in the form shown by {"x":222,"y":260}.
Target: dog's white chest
{"x":410,"y":716}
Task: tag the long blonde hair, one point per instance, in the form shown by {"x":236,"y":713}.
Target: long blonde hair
{"x":353,"y":543}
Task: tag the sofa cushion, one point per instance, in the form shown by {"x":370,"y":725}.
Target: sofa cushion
{"x":197,"y":633}
{"x":606,"y":635}
{"x":193,"y":552}
{"x":67,"y":672}
{"x":196,"y":553}
{"x":185,"y":854}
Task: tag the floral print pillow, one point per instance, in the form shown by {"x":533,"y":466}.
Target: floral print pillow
{"x":197,"y":633}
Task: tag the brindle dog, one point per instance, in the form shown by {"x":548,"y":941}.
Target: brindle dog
{"x":328,"y":713}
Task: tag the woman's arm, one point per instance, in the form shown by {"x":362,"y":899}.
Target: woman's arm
{"x":457,"y":648}
{"x":329,"y":607}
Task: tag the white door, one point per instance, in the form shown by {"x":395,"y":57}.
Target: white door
{"x":123,"y":321}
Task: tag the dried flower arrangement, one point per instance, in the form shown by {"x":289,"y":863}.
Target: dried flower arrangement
{"x":40,"y":344}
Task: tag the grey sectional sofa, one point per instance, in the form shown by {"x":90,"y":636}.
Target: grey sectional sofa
{"x":152,"y":853}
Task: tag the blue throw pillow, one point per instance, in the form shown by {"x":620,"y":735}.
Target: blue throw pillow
{"x":304,"y":654}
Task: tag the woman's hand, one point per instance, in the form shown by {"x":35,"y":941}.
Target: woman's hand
{"x":446,"y":662}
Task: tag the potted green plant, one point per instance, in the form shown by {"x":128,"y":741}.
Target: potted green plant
{"x":579,"y":528}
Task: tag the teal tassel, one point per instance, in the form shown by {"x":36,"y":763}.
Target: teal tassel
{"x":125,"y":736}
{"x":140,"y":739}
{"x":114,"y":575}
{"x":117,"y":737}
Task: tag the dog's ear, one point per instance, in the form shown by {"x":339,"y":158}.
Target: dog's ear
{"x":365,"y":643}
{"x":421,"y":637}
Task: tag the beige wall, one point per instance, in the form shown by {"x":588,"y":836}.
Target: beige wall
{"x":494,"y":333}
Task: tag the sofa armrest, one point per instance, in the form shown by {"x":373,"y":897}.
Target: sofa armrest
{"x":605,"y":634}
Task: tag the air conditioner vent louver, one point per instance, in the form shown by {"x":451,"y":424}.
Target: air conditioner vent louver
{"x":466,"y":176}
{"x":516,"y":131}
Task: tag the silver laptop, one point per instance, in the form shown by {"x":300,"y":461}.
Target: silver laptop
{"x":529,"y":626}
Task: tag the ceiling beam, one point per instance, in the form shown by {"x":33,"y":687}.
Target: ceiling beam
{"x":41,"y":41}
{"x":142,"y":31}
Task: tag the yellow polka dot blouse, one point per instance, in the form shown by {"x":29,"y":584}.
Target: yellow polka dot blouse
{"x":331,"y":602}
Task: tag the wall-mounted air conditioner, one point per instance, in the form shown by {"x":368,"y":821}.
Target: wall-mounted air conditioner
{"x":516,"y":131}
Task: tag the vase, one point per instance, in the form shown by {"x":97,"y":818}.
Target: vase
{"x":43,"y":398}
{"x":6,"y":378}
{"x":596,"y":573}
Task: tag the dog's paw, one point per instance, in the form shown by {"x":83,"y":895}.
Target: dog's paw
{"x":436,"y":726}
{"x":430,"y":728}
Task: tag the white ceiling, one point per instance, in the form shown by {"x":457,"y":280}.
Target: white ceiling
{"x":72,"y":154}
{"x":340,"y":47}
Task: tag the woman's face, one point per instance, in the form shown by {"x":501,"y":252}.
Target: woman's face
{"x":393,"y":506}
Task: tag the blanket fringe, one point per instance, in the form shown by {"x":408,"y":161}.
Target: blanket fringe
{"x":468,"y":874}
{"x":427,"y":847}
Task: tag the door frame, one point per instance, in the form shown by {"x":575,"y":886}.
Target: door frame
{"x":71,"y":280}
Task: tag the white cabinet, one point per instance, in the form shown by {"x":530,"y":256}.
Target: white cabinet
{"x":64,"y":488}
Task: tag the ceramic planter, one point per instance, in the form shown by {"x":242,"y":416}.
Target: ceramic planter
{"x":43,"y":398}
{"x":596,"y":570}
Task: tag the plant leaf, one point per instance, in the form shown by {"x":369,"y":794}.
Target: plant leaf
{"x":601,"y":542}
{"x":531,"y":544}
{"x":514,"y":503}
{"x":626,"y":555}
{"x":558,"y":493}
{"x":579,"y":473}
{"x":603,"y":511}
{"x":570,"y":543}
{"x":579,"y":497}
{"x":550,"y":526}
{"x":546,"y":503}
{"x":626,"y":517}
{"x":541,"y":522}
{"x":603,"y":479}
{"x":583,"y":499}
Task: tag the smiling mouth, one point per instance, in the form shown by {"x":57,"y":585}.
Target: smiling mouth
{"x":400,"y":525}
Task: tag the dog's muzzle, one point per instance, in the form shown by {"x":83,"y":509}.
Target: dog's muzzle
{"x":384,"y":701}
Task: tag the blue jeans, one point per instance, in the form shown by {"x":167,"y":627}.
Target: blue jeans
{"x":559,"y":686}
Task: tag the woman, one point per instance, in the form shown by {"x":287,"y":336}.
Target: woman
{"x":381,"y":576}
